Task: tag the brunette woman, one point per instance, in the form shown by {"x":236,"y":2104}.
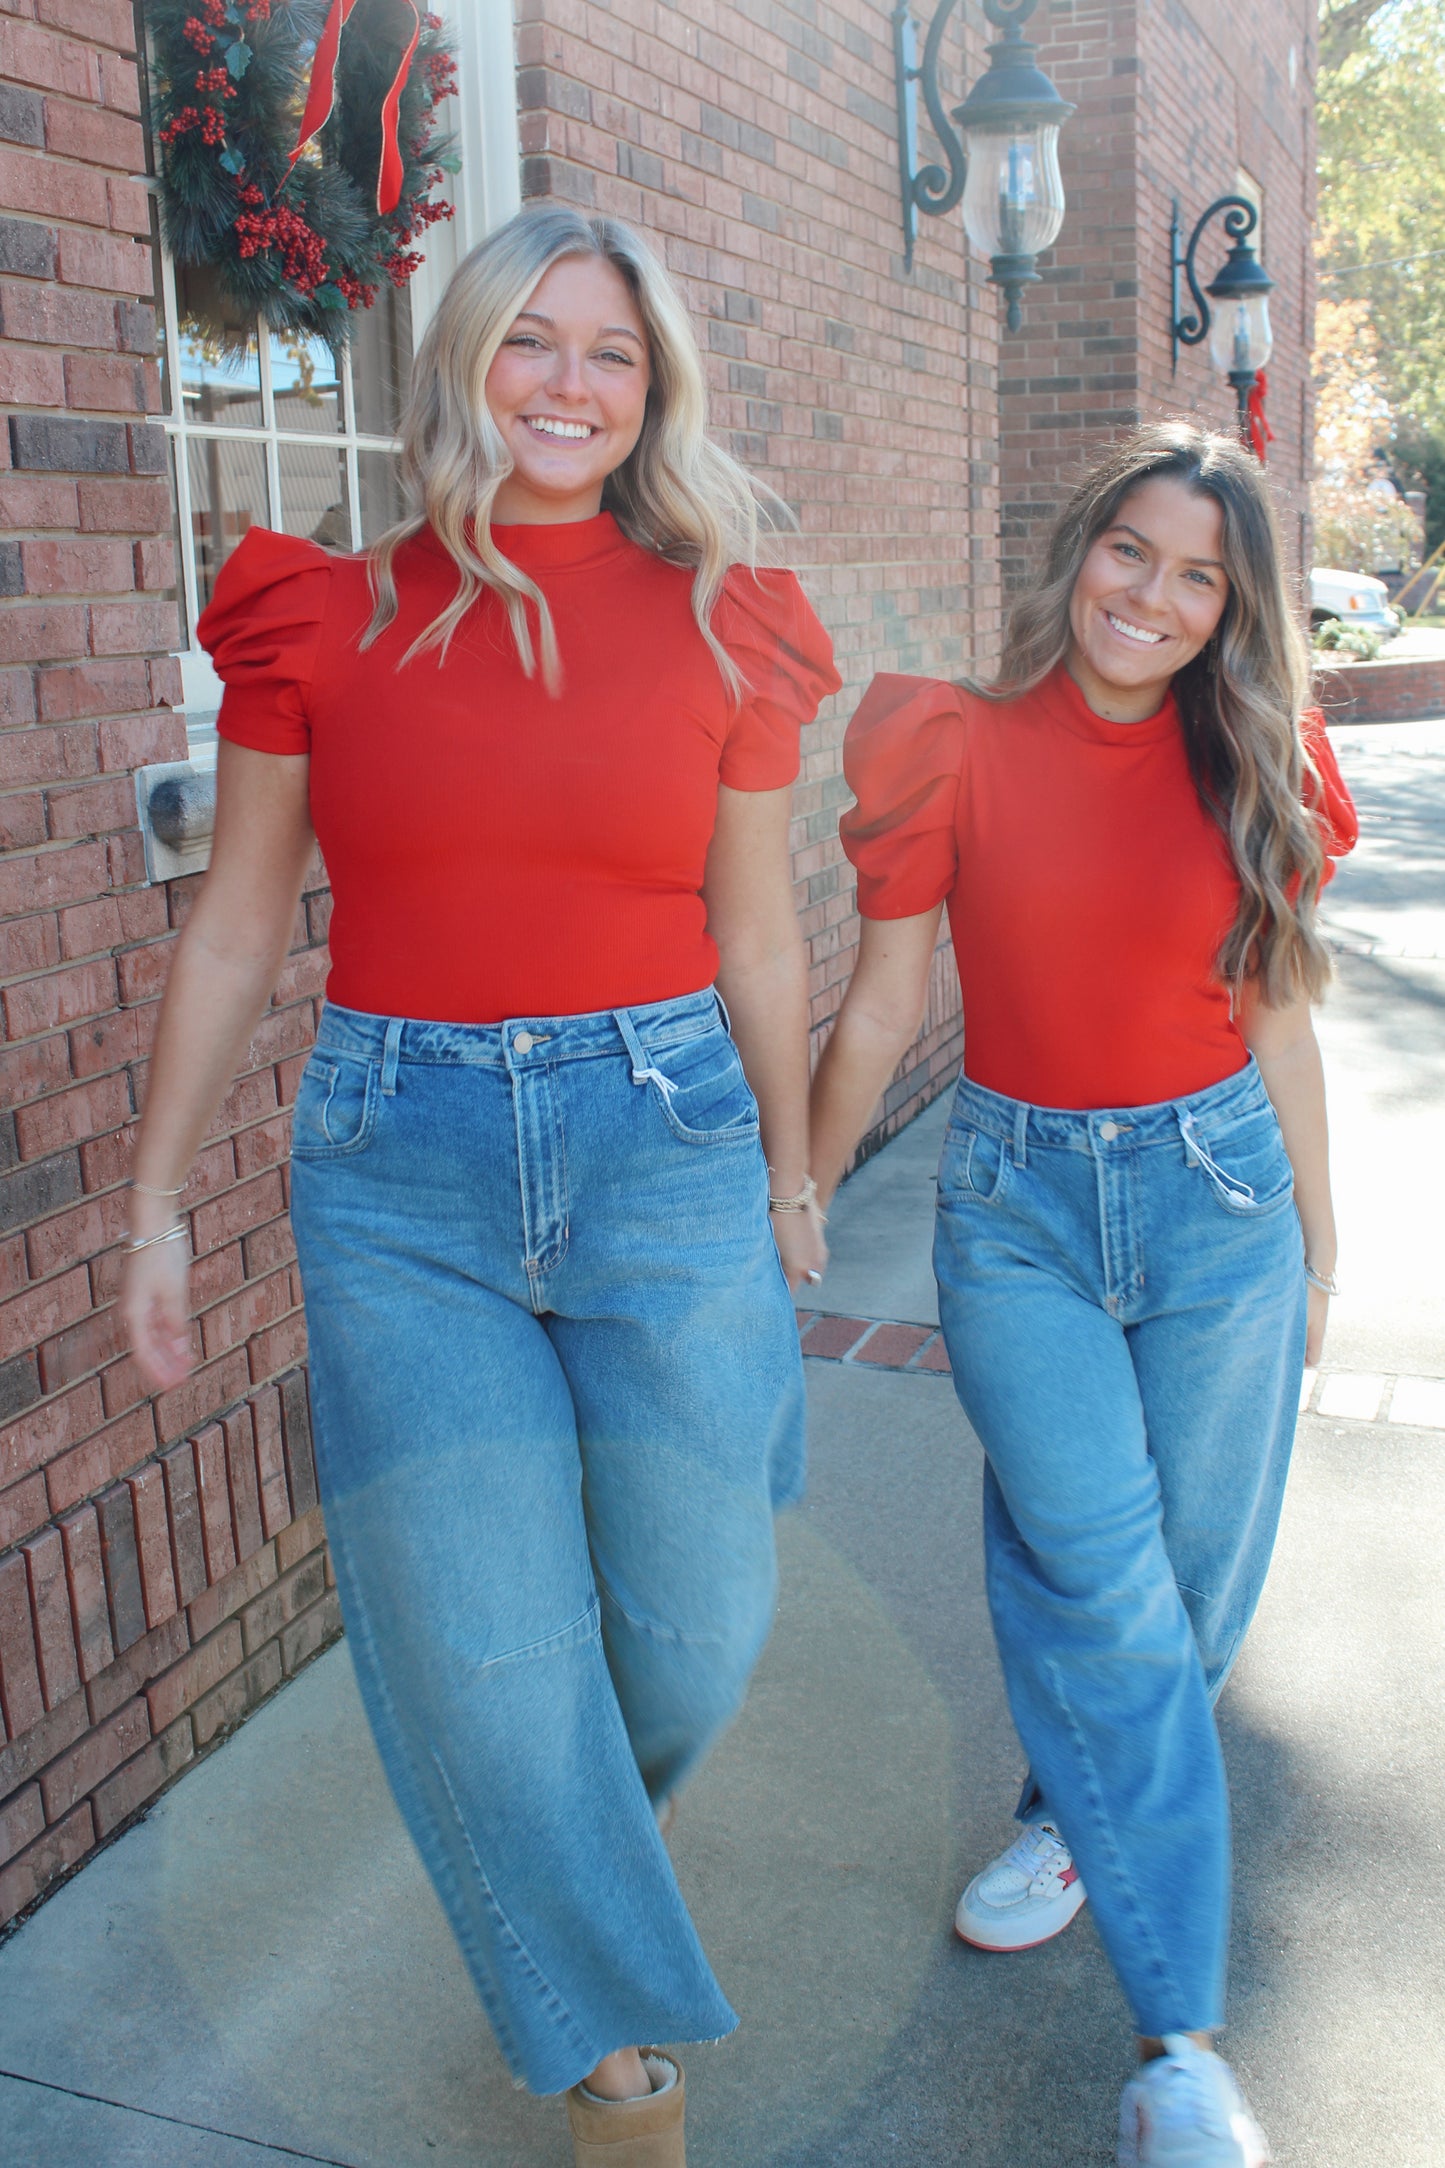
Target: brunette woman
{"x":1135,"y":1247}
{"x":545,"y":734}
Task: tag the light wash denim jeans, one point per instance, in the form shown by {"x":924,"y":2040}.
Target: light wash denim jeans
{"x":558,"y":1396}
{"x":1123,"y":1299}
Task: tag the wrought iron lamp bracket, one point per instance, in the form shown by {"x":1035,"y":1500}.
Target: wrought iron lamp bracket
{"x":933,"y":188}
{"x":1241,"y":219}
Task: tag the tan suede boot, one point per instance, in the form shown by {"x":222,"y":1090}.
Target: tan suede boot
{"x":632,"y":2133}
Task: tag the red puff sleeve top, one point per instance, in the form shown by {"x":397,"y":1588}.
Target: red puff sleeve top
{"x":1088,"y":891}
{"x":493,"y":851}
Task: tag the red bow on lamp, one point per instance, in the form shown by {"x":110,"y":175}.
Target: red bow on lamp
{"x":1260,"y":433}
{"x":321,"y":97}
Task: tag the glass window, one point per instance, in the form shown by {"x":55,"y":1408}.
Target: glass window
{"x":381,"y":362}
{"x":305,"y":384}
{"x":218,"y":359}
{"x":227,"y":480}
{"x":313,"y":494}
{"x":378,"y":477}
{"x":271,"y":429}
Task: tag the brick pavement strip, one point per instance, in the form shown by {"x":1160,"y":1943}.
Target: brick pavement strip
{"x":1351,"y":1396}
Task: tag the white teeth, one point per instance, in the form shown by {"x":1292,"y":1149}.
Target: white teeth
{"x":549,"y":427}
{"x":1133,"y":632}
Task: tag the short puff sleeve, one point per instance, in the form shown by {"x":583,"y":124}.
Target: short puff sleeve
{"x":901,"y":756}
{"x":1328,"y":797}
{"x":785,"y":660}
{"x":262,"y":630}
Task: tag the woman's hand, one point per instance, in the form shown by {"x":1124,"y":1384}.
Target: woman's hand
{"x":1317,"y":1316}
{"x":801,"y":1247}
{"x":155,"y":1305}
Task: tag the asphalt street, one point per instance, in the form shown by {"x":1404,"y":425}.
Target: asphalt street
{"x":258,"y":1973}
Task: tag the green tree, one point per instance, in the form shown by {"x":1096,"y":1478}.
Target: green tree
{"x":1382,"y":188}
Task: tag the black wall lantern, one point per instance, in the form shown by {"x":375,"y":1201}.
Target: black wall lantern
{"x":1237,"y":328}
{"x":1006,"y":169}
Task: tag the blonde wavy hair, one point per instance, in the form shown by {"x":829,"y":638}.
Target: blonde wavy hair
{"x":1239,"y":700}
{"x":677,"y":493}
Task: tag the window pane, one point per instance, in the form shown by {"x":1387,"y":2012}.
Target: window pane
{"x":304,"y":385}
{"x":381,"y":361}
{"x":228,"y":496}
{"x":313,"y":494}
{"x":218,"y":364}
{"x":382,"y":501}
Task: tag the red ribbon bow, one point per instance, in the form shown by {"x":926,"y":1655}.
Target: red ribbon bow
{"x":321,"y":97}
{"x":1260,"y":433}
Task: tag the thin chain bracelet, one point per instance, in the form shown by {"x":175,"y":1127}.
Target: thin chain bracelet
{"x":147,"y":1191}
{"x":805,"y":1197}
{"x":1324,"y":1281}
{"x":175,"y":1233}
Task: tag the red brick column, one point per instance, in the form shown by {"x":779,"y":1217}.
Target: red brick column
{"x":161,"y":1562}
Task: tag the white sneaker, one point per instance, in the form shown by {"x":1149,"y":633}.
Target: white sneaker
{"x":1184,"y":2110}
{"x":1029,"y":1894}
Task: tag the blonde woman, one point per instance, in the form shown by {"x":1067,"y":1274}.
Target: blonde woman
{"x":1135,"y":1246}
{"x":545,"y":736}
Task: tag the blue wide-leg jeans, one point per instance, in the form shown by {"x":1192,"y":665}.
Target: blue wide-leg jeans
{"x":557,"y":1397}
{"x":1123,"y":1299}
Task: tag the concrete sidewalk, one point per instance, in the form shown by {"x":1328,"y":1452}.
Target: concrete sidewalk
{"x":258,"y":1972}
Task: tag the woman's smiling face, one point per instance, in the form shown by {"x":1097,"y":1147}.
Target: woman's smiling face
{"x":1149,"y":595}
{"x":568,"y":391}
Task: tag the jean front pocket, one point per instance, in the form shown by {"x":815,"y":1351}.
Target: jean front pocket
{"x":702,"y":1091}
{"x":336,"y":1106}
{"x":1244,"y":1161}
{"x":973,"y":1164}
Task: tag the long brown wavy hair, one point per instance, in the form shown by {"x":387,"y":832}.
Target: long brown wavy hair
{"x":1239,"y":700}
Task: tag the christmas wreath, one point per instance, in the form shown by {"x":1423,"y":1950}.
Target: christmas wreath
{"x":298,"y":147}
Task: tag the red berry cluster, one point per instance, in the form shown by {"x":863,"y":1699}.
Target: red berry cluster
{"x":302,"y":250}
{"x":198,"y":35}
{"x":441,"y":75}
{"x":211,"y":122}
{"x":256,"y":11}
{"x":215,"y":83}
{"x":358,"y":296}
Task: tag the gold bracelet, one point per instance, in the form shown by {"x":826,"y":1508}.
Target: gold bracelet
{"x":800,"y":1203}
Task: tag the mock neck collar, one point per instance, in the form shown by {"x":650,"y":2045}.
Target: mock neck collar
{"x":562,"y":545}
{"x":1065,"y":701}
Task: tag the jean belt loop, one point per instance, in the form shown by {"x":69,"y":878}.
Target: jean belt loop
{"x":1021,"y":1134}
{"x":390,"y":1056}
{"x":642,"y":1070}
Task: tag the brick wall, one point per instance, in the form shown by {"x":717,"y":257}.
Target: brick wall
{"x":755,"y":141}
{"x":161,"y":1561}
{"x":1386,"y":691}
{"x":1174,"y":98}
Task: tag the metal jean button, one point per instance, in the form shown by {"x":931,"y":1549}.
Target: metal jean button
{"x":523,"y":1043}
{"x":1108,"y":1131}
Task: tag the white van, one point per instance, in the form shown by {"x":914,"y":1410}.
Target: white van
{"x":1355,"y":598}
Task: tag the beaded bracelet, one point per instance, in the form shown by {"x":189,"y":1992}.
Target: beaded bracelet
{"x":800,"y":1203}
